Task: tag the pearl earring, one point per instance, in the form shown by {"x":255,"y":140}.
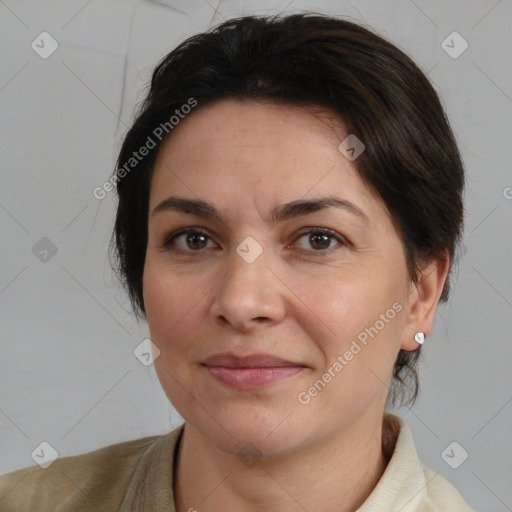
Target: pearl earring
{"x":419,"y":337}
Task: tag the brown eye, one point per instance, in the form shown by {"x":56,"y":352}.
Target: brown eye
{"x":195,"y":240}
{"x":187,"y":240}
{"x":320,"y":239}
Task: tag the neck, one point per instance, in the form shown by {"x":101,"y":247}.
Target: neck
{"x":336,"y":475}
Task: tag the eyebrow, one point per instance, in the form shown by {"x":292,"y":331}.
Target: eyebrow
{"x":283,"y":212}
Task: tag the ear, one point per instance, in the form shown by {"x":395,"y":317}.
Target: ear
{"x":423,"y":300}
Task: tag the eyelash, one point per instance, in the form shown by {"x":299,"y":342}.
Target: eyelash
{"x":169,"y":240}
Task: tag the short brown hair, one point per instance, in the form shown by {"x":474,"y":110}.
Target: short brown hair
{"x":411,"y":159}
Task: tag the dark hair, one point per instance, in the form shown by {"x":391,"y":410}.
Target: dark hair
{"x":411,"y":159}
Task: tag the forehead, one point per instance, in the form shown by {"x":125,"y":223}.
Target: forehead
{"x":273,"y":152}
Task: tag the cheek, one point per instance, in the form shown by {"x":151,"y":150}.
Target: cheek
{"x":354,"y":313}
{"x":169,"y":299}
{"x":171,"y":309}
{"x":158,"y":299}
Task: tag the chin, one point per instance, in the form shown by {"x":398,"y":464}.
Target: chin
{"x":249,"y":443}
{"x":247,"y":429}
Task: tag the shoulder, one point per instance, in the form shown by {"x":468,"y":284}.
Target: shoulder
{"x":407,"y":484}
{"x":93,"y":480}
{"x":441,"y":495}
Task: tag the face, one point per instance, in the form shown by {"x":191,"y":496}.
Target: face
{"x":333,"y":303}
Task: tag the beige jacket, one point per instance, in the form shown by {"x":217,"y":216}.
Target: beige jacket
{"x":137,"y":476}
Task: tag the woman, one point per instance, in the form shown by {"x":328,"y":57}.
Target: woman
{"x":290,"y":201}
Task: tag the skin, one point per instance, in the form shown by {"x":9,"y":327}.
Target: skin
{"x":302,"y":301}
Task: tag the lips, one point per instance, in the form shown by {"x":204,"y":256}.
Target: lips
{"x":230,"y":360}
{"x":250,"y":372}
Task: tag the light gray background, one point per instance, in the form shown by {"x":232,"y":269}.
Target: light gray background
{"x":68,"y":374}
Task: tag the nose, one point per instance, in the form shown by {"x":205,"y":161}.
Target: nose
{"x":250,"y":295}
